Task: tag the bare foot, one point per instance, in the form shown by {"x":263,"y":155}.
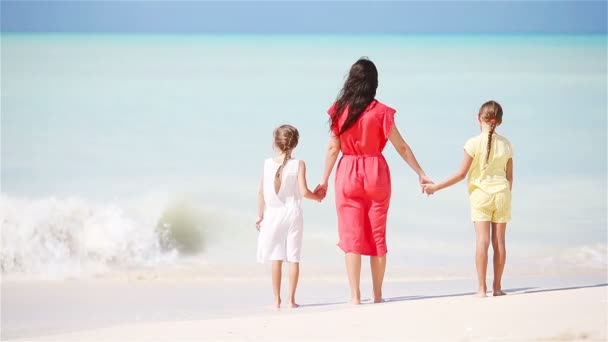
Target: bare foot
{"x":355,"y":301}
{"x":277,"y":303}
{"x":292,"y":305}
{"x":378,"y":300}
{"x":481,"y":294}
{"x":497,"y":293}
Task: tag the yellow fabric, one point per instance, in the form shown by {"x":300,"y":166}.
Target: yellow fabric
{"x":493,"y":177}
{"x":488,"y":185}
{"x":491,"y":207}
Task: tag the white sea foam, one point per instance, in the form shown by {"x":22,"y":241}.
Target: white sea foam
{"x":75,"y":237}
{"x":71,"y":237}
{"x":586,"y":256}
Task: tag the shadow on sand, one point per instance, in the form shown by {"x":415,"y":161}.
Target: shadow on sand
{"x":512,"y":291}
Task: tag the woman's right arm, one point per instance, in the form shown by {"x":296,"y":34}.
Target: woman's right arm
{"x":333,"y":150}
{"x":407,"y":154}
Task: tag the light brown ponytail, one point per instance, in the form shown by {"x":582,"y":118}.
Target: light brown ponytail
{"x":492,"y":128}
{"x":278,"y":176}
{"x":285,"y":139}
{"x":491,"y":113}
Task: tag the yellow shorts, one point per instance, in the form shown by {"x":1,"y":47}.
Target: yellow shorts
{"x":491,"y":207}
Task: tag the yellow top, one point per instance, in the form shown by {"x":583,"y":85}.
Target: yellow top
{"x":490,"y":178}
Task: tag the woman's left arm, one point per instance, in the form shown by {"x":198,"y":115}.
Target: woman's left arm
{"x":407,"y":154}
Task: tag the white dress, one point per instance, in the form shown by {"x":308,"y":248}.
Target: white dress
{"x":281,"y":229}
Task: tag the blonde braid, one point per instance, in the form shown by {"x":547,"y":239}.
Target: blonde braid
{"x":277,"y":177}
{"x":491,"y":113}
{"x":492,"y":128}
{"x":286,"y":139}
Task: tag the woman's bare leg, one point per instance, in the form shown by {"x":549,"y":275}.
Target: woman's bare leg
{"x":378,"y":266}
{"x":353,"y":267}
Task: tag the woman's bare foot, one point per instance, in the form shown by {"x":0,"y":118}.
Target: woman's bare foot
{"x":355,"y":301}
{"x":292,"y":305}
{"x":497,"y":293}
{"x":277,"y":303}
{"x":378,"y":300}
{"x":481,"y":293}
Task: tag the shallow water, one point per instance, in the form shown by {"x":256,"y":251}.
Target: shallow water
{"x":101,"y":134}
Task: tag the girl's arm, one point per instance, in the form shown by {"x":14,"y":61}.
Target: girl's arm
{"x":261,"y":204}
{"x":407,"y":154}
{"x":303,"y":186}
{"x":510,"y":173}
{"x":333,"y":150}
{"x":457,"y":177}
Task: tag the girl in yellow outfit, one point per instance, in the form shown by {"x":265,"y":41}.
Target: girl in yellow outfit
{"x":488,"y":161}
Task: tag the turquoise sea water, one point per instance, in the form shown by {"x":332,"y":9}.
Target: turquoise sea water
{"x":102,"y":133}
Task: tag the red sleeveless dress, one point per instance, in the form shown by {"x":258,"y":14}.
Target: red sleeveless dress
{"x":363,"y":181}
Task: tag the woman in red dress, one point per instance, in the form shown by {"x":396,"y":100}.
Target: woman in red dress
{"x":360,"y":128}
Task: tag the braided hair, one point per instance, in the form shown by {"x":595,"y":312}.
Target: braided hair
{"x":285,"y":139}
{"x":491,"y":113}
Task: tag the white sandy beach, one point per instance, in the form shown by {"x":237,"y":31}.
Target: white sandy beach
{"x":564,"y":308}
{"x":561,"y":315}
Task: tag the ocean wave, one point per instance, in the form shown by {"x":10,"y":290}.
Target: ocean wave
{"x":587,"y":256}
{"x":54,"y":237}
{"x":548,"y":259}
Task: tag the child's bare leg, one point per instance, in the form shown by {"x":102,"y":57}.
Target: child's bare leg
{"x":353,"y":267}
{"x":500,"y":256}
{"x":294,"y":274}
{"x":378,"y":266}
{"x":277,"y":265}
{"x":482,"y":232}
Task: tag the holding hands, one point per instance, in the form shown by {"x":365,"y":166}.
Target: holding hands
{"x":321,"y":191}
{"x":424,"y":182}
{"x":429,"y":189}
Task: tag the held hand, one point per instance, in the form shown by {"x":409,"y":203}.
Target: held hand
{"x":321,"y":191}
{"x":429,"y":189}
{"x":258,"y":222}
{"x":319,"y":196}
{"x":424,"y":180}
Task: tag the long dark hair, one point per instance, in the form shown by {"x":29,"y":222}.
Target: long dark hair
{"x":358,"y":92}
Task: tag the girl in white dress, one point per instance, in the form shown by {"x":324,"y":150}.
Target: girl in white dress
{"x":279,"y":213}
